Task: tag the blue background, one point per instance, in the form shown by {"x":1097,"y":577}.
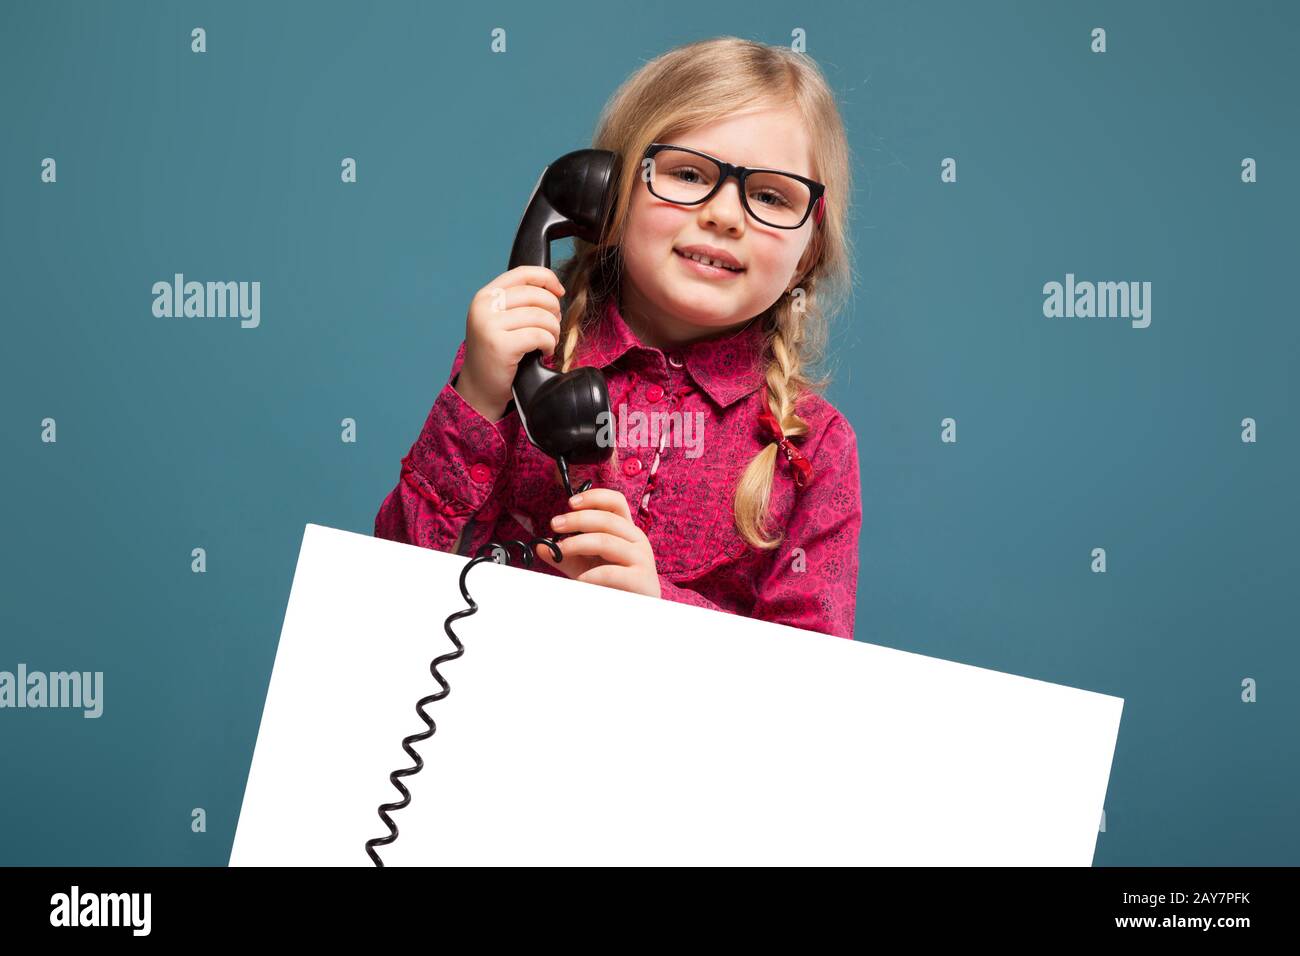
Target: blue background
{"x":1073,"y":433}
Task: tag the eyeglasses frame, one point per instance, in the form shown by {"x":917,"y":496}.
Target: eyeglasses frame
{"x":816,"y":190}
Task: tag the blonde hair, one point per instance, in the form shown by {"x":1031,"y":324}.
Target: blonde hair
{"x":690,"y":86}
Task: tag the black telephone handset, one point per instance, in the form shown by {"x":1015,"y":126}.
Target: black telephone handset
{"x":561,"y":412}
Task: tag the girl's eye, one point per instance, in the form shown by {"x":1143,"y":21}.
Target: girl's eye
{"x":774,"y":198}
{"x":685,"y":174}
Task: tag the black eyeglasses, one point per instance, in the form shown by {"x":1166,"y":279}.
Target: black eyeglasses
{"x":687,"y":177}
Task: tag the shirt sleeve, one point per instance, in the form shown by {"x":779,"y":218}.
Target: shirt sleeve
{"x":812,"y":579}
{"x":453,"y":477}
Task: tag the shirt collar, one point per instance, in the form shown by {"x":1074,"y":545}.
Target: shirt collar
{"x":727,"y":366}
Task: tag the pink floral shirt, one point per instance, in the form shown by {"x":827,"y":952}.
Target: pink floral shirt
{"x":466,"y":474}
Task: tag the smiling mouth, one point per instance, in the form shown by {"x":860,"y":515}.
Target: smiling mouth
{"x":708,"y":263}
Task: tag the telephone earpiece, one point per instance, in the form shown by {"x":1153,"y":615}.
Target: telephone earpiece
{"x":561,"y":412}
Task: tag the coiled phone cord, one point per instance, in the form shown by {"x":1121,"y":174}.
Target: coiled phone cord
{"x":497,"y":553}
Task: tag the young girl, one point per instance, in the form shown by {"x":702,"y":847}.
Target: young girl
{"x":699,"y":301}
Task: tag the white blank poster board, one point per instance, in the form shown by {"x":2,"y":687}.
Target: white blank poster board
{"x":590,"y":726}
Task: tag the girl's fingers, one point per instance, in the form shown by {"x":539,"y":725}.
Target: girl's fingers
{"x":614,"y":524}
{"x":608,"y":575}
{"x":572,"y":566}
{"x":606,"y":499}
{"x":608,"y":547}
{"x":512,"y":299}
{"x":530,"y":275}
{"x":522,"y":341}
{"x":530,"y":317}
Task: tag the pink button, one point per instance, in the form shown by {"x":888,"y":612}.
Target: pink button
{"x":632,"y":467}
{"x":653,"y":394}
{"x":675,"y":360}
{"x":480,"y":472}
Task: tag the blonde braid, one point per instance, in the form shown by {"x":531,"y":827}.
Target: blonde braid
{"x":570,"y":330}
{"x":754,"y":490}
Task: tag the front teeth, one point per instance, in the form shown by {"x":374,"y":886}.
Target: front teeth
{"x":710,"y":262}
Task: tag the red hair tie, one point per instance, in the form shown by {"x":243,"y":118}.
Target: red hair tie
{"x":800,"y":465}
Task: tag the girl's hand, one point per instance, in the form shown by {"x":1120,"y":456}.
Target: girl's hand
{"x":609,"y":549}
{"x":512,"y":315}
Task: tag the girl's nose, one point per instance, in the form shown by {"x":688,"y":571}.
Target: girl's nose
{"x":725,"y":208}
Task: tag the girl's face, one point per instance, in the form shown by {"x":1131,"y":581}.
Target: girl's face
{"x":666,"y":299}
